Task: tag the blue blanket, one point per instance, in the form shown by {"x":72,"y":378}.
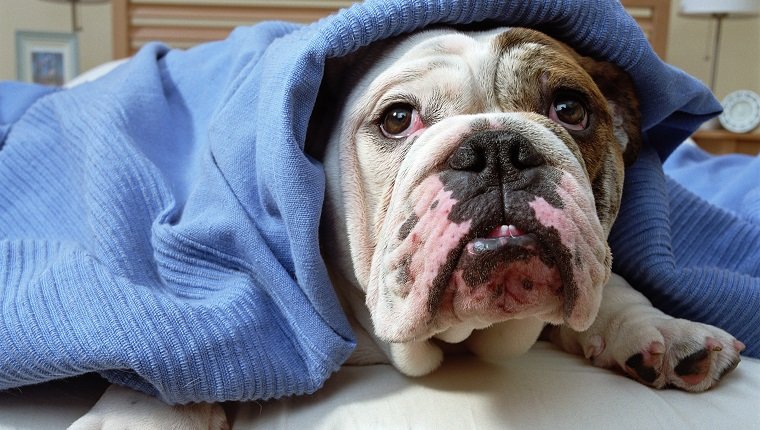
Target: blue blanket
{"x":159,"y":225}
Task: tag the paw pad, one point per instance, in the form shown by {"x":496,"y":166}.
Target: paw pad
{"x":644,"y":365}
{"x":694,"y":368}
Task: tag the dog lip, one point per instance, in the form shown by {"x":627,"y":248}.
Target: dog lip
{"x":499,"y":237}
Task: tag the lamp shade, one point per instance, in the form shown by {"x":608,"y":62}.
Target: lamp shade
{"x":720,"y":7}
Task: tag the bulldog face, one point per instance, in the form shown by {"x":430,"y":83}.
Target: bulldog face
{"x":477,"y":176}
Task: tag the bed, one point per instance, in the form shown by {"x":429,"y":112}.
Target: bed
{"x":545,"y":388}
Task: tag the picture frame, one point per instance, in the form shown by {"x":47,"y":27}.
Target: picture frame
{"x":46,"y":58}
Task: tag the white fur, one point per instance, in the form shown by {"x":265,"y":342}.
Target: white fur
{"x":505,"y":339}
{"x":416,"y":358}
{"x":628,"y":324}
{"x":121,"y":408}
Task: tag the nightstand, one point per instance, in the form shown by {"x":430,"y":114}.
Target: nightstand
{"x":724,"y":142}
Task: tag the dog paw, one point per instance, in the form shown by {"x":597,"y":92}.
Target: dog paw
{"x":666,"y":352}
{"x":416,"y":358}
{"x":121,"y":408}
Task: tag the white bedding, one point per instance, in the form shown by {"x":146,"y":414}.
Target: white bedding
{"x":544,"y":389}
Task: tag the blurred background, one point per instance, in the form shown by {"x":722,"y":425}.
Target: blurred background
{"x":689,"y":46}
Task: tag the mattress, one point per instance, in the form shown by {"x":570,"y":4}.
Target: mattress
{"x":543,"y":389}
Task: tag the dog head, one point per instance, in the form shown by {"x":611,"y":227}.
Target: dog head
{"x":473,"y":178}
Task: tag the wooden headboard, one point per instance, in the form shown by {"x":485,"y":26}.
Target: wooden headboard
{"x":186,"y":23}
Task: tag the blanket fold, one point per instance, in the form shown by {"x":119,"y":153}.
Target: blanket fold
{"x":160,"y":225}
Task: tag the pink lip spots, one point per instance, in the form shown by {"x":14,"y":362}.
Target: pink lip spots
{"x":425,"y":273}
{"x":424,"y":251}
{"x":434,"y":236}
{"x":550,"y":216}
{"x":576,"y":222}
{"x":582,"y":234}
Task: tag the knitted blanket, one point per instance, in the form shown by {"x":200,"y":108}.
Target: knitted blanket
{"x":159,"y":225}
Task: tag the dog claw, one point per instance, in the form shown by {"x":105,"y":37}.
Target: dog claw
{"x":657,"y":348}
{"x":713,"y":345}
{"x":594,"y":347}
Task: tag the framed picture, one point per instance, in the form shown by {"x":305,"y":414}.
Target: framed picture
{"x":47,"y":58}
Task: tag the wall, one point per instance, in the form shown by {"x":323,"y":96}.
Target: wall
{"x":37,"y":15}
{"x":690,"y":48}
{"x":689,"y":41}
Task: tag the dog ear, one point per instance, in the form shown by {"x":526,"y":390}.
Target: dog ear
{"x":617,"y":87}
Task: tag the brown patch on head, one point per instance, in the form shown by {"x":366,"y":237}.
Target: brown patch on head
{"x":617,"y":87}
{"x":534,"y":69}
{"x":623,"y":107}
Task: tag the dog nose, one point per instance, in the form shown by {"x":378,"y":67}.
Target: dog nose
{"x":496,"y":155}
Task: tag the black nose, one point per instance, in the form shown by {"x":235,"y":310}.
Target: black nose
{"x":496,"y":156}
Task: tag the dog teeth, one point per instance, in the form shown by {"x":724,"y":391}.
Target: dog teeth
{"x":505,"y":231}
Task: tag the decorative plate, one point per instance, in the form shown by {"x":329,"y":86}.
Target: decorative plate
{"x":741,"y":111}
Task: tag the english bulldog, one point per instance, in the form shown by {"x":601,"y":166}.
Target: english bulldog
{"x":473,"y":178}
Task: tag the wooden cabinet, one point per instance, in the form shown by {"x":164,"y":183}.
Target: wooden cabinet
{"x":724,"y":142}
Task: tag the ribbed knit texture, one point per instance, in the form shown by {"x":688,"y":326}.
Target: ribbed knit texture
{"x":693,"y":259}
{"x":715,"y":215}
{"x":160,"y":225}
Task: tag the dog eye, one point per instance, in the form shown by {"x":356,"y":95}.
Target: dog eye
{"x":399,"y":120}
{"x":569,"y":111}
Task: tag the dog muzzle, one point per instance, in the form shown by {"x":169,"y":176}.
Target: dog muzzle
{"x":491,"y":218}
